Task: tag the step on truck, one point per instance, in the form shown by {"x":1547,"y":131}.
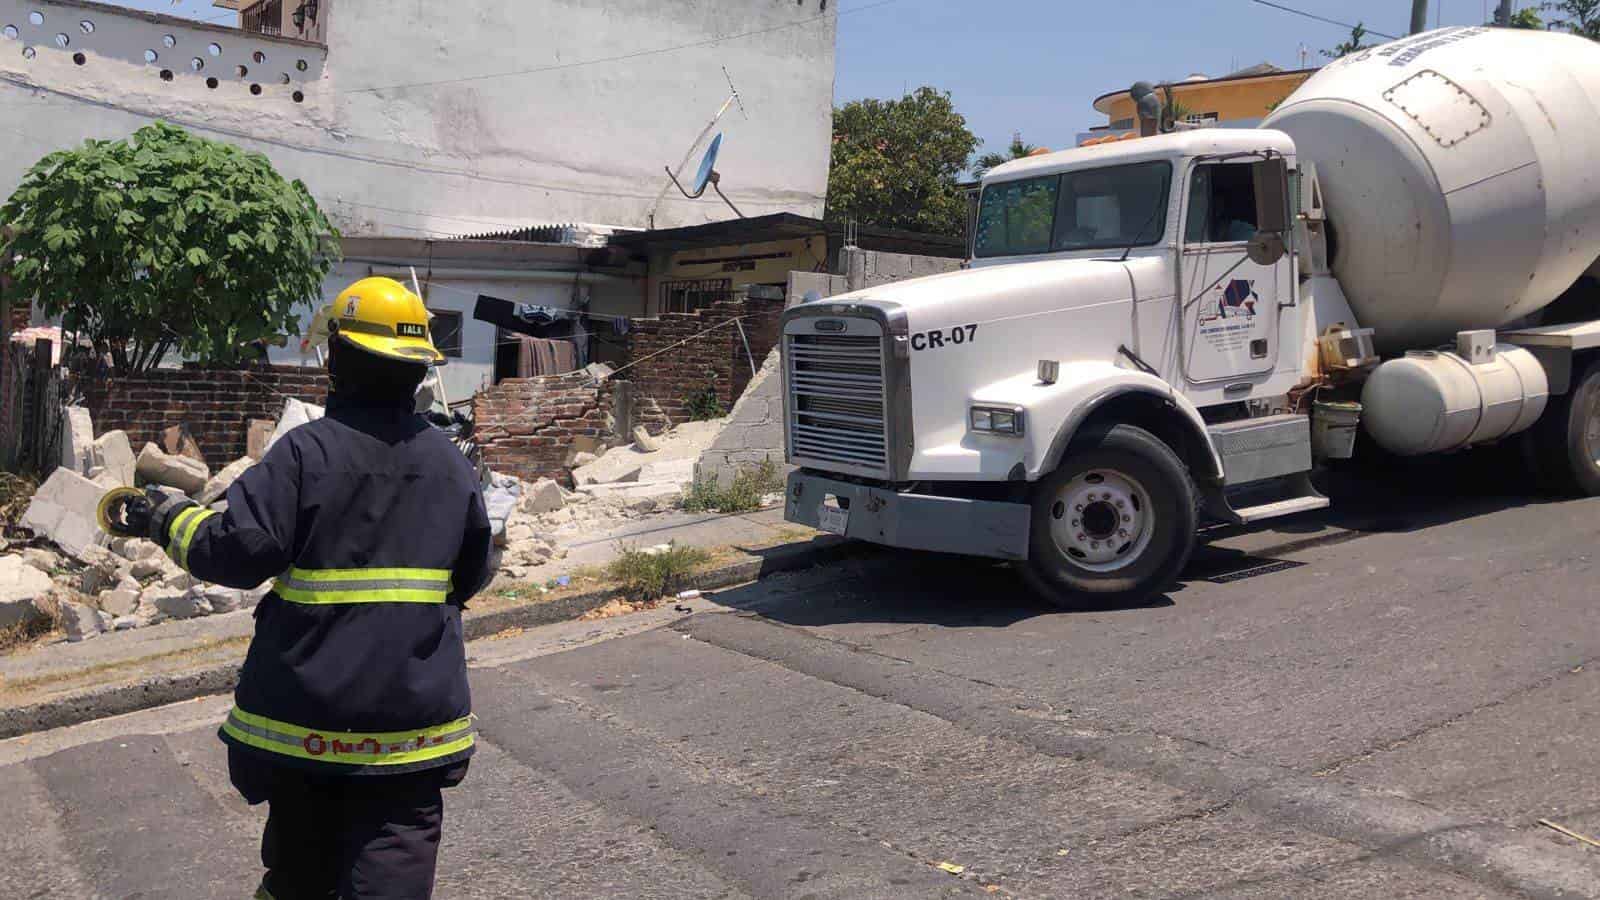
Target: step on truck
{"x":1156,"y":333}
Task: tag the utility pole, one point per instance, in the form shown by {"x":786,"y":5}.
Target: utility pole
{"x":1419,"y":16}
{"x":1502,"y":16}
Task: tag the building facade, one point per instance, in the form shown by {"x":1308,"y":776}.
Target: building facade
{"x":495,"y":114}
{"x":1239,"y":100}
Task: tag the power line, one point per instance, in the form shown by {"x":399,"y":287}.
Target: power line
{"x":626,"y":56}
{"x":1323,"y":19}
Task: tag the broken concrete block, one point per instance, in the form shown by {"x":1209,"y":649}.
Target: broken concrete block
{"x":643,"y":440}
{"x":253,"y":598}
{"x":129,"y":583}
{"x":177,"y":441}
{"x":102,"y":572}
{"x":579,"y":460}
{"x":543,"y":496}
{"x":668,"y":471}
{"x":135,"y":549}
{"x":180,"y":581}
{"x":583,"y":444}
{"x":126,"y":623}
{"x":114,"y":453}
{"x":63,"y":510}
{"x":220,"y":599}
{"x":106,"y":621}
{"x":46,"y":561}
{"x":119,"y":602}
{"x":185,"y":474}
{"x":20,"y":586}
{"x":295,"y":414}
{"x":77,"y":440}
{"x":258,"y":437}
{"x":80,"y":622}
{"x":147,"y":567}
{"x":220,"y":482}
{"x":619,"y":465}
{"x":178,"y":604}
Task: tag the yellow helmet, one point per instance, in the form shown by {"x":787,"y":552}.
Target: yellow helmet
{"x":380,"y":316}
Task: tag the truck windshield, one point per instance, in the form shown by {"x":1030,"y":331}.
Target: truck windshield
{"x":1094,"y":209}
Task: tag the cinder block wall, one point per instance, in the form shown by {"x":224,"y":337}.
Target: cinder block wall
{"x":216,"y":404}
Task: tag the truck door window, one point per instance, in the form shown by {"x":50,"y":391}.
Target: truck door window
{"x":1222,"y":205}
{"x":1015,"y":216}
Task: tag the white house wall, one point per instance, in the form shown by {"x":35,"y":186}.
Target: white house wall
{"x":409,"y":125}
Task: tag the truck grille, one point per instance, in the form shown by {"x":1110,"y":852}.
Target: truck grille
{"x":837,"y":412}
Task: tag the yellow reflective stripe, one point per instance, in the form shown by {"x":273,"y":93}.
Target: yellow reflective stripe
{"x":375,"y":574}
{"x":180,"y":534}
{"x":392,"y":748}
{"x":376,"y":585}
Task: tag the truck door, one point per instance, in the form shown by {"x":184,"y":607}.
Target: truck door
{"x":1230,"y":311}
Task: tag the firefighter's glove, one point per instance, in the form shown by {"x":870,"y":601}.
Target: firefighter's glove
{"x":163,"y":509}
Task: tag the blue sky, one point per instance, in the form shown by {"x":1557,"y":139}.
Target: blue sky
{"x":1037,"y":65}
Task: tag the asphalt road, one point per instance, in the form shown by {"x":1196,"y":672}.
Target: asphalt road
{"x":1385,"y":714}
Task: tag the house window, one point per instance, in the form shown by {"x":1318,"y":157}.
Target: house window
{"x":689,"y":296}
{"x":446,"y":327}
{"x":264,"y":18}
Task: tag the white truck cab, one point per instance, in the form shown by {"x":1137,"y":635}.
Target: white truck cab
{"x":1150,"y":330}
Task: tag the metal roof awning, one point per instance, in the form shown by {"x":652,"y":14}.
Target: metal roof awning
{"x":787,"y":226}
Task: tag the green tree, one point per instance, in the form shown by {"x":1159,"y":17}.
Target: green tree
{"x":1528,"y":19}
{"x":1581,"y":17}
{"x":166,"y":242}
{"x":1019,"y":149}
{"x":1357,"y":43}
{"x":895,"y":163}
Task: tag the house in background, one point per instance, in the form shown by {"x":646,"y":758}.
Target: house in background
{"x":1238,"y":100}
{"x":302,"y":19}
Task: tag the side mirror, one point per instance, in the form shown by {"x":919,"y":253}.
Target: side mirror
{"x":1266,"y":248}
{"x":1272,"y":184}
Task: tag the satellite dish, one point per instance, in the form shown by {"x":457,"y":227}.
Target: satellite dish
{"x":707,"y":176}
{"x":703,"y":177}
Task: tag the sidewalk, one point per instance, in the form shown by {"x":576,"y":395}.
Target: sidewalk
{"x":64,"y":683}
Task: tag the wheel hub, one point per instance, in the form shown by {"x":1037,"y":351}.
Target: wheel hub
{"x":1102,"y":520}
{"x":1591,"y":429}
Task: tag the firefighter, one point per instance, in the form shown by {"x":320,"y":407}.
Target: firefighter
{"x":352,"y":712}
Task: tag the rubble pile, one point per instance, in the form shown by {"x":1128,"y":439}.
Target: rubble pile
{"x":89,"y":582}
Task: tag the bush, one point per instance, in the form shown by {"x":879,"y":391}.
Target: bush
{"x":647,"y":576}
{"x":705,"y":405}
{"x":743,"y":495}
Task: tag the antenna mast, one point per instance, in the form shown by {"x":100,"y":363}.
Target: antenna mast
{"x":676,"y":174}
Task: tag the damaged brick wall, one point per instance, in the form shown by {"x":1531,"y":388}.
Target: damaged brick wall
{"x":682,"y":354}
{"x":216,"y":404}
{"x":527,"y":426}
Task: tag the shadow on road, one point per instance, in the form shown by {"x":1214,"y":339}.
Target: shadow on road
{"x":889,"y":587}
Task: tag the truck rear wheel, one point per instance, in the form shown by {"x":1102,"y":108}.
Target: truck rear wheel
{"x":1566,"y":439}
{"x":1114,"y":524}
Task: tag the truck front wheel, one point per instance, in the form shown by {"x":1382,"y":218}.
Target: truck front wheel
{"x":1566,"y":439}
{"x":1114,"y":524}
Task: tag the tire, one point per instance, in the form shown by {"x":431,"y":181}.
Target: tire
{"x":1565,"y":443}
{"x":1076,"y":566}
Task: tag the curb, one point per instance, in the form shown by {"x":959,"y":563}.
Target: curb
{"x":115,"y":700}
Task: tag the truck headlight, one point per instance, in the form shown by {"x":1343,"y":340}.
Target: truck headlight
{"x":997,"y":420}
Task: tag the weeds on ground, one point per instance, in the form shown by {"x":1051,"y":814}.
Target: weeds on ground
{"x":647,"y":576}
{"x":16,"y":492}
{"x":743,"y":495}
{"x":23,"y":633}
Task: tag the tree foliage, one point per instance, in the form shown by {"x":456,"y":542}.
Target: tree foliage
{"x":1527,"y":19}
{"x":1356,"y":43}
{"x":1019,"y":149}
{"x":895,"y":163}
{"x":1581,"y":17}
{"x":166,"y":242}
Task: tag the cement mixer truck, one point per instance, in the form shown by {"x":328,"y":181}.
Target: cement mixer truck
{"x":1158,"y":333}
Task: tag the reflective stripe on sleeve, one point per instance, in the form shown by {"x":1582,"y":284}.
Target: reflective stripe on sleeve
{"x":319,"y":586}
{"x":180,"y":534}
{"x":394,"y":748}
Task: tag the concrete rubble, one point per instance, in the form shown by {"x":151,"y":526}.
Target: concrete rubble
{"x":88,"y":583}
{"x":156,"y":466}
